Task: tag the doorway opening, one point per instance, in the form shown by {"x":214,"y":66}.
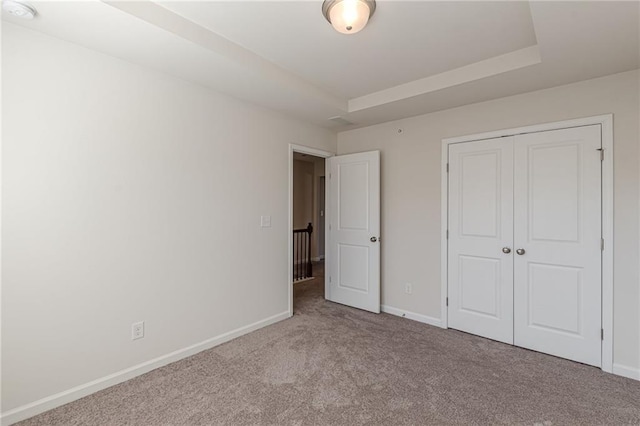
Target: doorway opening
{"x":307,"y":191}
{"x":307,"y":238}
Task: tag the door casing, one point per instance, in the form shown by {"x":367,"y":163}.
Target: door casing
{"x":606,"y":127}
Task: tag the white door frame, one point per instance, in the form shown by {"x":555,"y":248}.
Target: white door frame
{"x":606,"y":123}
{"x":317,"y":153}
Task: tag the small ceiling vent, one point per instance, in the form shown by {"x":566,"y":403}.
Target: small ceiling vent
{"x":340,"y":121}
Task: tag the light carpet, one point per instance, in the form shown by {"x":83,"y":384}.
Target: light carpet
{"x":333,"y":365}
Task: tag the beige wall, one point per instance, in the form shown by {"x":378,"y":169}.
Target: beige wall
{"x":411,"y":153}
{"x":130,"y":195}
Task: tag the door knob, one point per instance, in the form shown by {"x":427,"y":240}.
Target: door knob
{"x":373,"y":239}
{"x":506,"y":250}
{"x":520,"y":251}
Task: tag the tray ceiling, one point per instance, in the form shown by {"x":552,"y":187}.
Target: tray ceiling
{"x":414,"y":57}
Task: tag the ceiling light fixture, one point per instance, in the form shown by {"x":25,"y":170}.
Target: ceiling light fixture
{"x":348,"y":16}
{"x":18,"y":9}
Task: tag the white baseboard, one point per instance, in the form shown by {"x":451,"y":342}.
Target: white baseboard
{"x":411,"y":315}
{"x":623,"y":370}
{"x":45,"y":404}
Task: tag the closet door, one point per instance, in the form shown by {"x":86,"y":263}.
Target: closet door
{"x":480,"y":269}
{"x":557,"y":206}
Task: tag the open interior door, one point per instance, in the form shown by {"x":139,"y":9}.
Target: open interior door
{"x":353,"y":230}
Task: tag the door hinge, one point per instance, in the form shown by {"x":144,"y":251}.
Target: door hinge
{"x":602,"y":334}
{"x":601,"y":153}
{"x":447,"y":301}
{"x":329,"y":175}
{"x":447,"y":167}
{"x":329,"y":278}
{"x":601,"y":244}
{"x":447,"y":234}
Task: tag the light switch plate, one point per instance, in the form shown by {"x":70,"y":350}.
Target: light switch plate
{"x":265,"y":221}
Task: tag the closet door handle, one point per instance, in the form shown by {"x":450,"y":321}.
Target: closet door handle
{"x":506,"y":250}
{"x":520,"y":252}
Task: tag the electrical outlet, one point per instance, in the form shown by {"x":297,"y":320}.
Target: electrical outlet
{"x":407,"y":288}
{"x":137,"y":330}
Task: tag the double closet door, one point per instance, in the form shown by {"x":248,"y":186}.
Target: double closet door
{"x":524,"y":249}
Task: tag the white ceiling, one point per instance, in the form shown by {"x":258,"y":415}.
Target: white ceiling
{"x":409,"y":40}
{"x":414,"y":57}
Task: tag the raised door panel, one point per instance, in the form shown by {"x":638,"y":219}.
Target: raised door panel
{"x":555,"y":298}
{"x":479,"y":286}
{"x":479,"y":194}
{"x":353,"y":193}
{"x":354,"y":267}
{"x":555,"y":186}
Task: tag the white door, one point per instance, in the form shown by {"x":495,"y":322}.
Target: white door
{"x":353,"y":230}
{"x":480,"y":238}
{"x":557,"y":208}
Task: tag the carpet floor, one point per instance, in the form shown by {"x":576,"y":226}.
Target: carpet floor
{"x":332,"y":365}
